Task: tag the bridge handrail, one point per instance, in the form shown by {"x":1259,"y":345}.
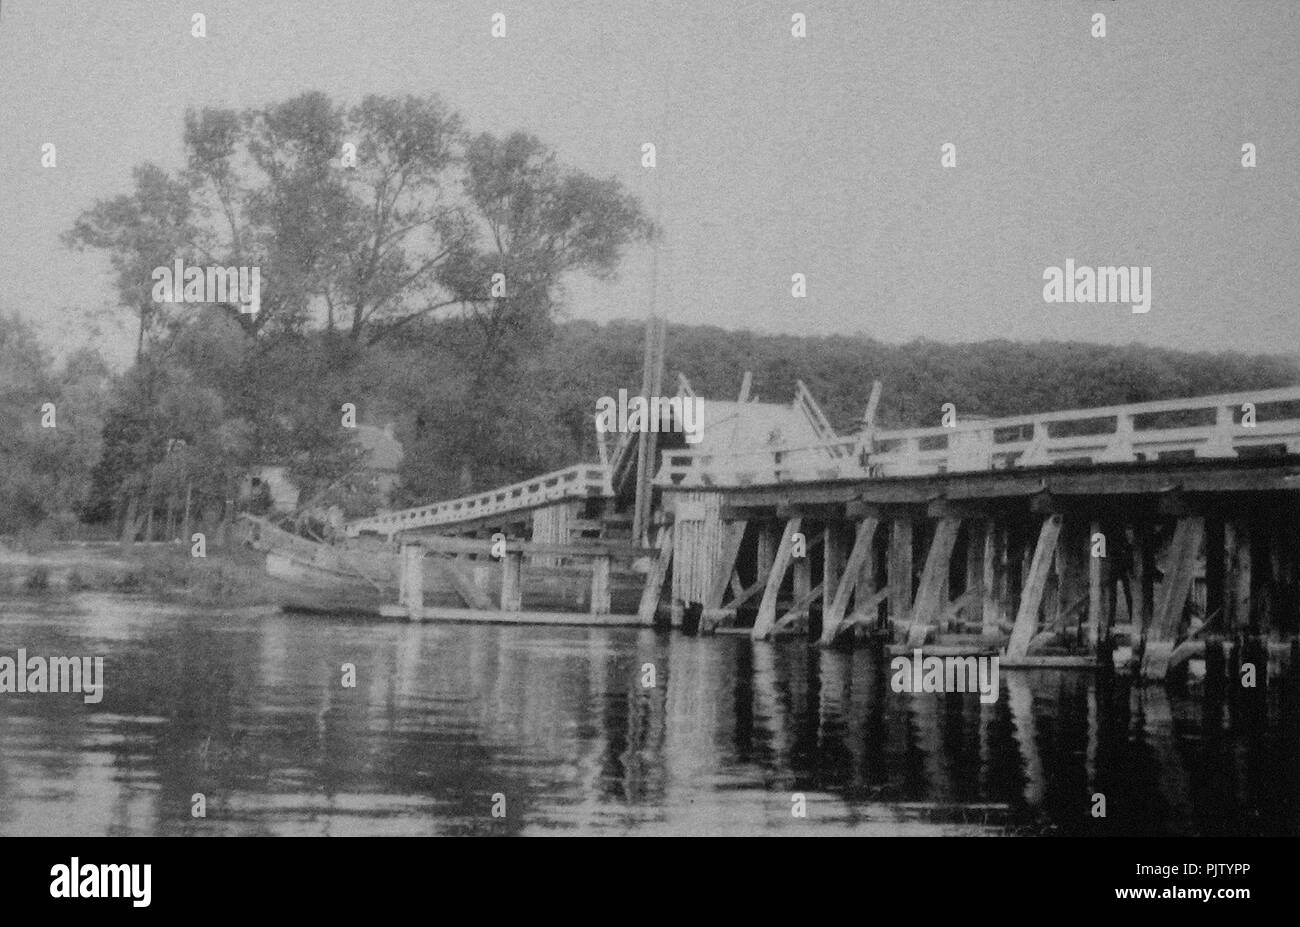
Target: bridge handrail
{"x":977,"y":445}
{"x":580,"y":481}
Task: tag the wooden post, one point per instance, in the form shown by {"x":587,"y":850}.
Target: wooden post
{"x":867,"y":570}
{"x":1035,"y":583}
{"x":654,"y":582}
{"x":833,"y":614}
{"x":1073,"y":572}
{"x":1095,"y":585}
{"x":734,"y":537}
{"x":413,"y":579}
{"x":832,"y":564}
{"x":1140,"y":541}
{"x":511,"y":581}
{"x":900,"y":568}
{"x":801,"y":567}
{"x":995,"y":552}
{"x":185,"y":525}
{"x":975,"y":531}
{"x":1237,"y":596}
{"x":765,"y":554}
{"x":464,"y":585}
{"x":600,"y":585}
{"x":929,"y":596}
{"x":1216,"y":569}
{"x":1177,"y":584}
{"x":766,"y":619}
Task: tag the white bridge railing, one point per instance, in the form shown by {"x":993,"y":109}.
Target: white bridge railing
{"x":1201,"y":427}
{"x":577,"y":482}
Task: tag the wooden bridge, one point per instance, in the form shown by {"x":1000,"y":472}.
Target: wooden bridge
{"x":1152,"y":529}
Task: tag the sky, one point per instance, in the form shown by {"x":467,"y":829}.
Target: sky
{"x":776,"y":155}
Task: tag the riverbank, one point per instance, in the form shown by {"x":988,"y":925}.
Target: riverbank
{"x":233,"y":577}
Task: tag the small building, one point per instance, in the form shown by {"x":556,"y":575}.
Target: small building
{"x":383,"y":461}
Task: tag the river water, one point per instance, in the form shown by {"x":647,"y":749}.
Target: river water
{"x":556,"y":731}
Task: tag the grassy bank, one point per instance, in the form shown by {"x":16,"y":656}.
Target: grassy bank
{"x":165,"y":571}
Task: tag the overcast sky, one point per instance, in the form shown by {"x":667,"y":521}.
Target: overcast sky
{"x":776,"y":155}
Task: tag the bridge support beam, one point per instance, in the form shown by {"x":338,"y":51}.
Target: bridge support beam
{"x":766,"y":619}
{"x":995,"y":581}
{"x":411,"y":580}
{"x":1174,"y":589}
{"x":1035,"y":583}
{"x":1098,"y":571}
{"x":859,"y":564}
{"x":512,"y":593}
{"x":930,"y":597}
{"x":654,"y":582}
{"x":900,"y":568}
{"x":600,"y":598}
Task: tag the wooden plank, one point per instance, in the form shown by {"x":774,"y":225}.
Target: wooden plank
{"x":1031,"y":596}
{"x":496,"y":616}
{"x":654,"y":583}
{"x":929,"y":598}
{"x":950,"y":611}
{"x":620,"y":549}
{"x":465,"y":586}
{"x":766,"y":619}
{"x":799,"y":606}
{"x":864,"y":611}
{"x":833,"y":615}
{"x":759,"y":584}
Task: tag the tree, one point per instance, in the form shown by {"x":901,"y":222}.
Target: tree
{"x":45,"y":471}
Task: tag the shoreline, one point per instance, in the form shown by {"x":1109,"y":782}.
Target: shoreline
{"x":162,"y":570}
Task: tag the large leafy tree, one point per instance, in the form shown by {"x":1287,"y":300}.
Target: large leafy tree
{"x":365,"y":222}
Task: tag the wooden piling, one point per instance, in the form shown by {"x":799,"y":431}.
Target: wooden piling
{"x":851,"y":581}
{"x":511,"y":581}
{"x":929,"y":596}
{"x":1167,"y":621}
{"x":1096,"y":568}
{"x":993,"y":581}
{"x":900,"y":568}
{"x":766,"y":619}
{"x":1031,"y":596}
{"x":412,"y":579}
{"x":600,"y":597}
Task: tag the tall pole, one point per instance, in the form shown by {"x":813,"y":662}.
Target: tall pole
{"x":652,"y":377}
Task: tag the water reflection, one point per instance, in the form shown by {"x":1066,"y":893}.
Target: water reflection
{"x":251,"y":713}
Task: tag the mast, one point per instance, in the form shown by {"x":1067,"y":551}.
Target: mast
{"x":652,"y":379}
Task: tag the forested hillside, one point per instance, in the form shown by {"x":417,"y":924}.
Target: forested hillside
{"x":553,"y":394}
